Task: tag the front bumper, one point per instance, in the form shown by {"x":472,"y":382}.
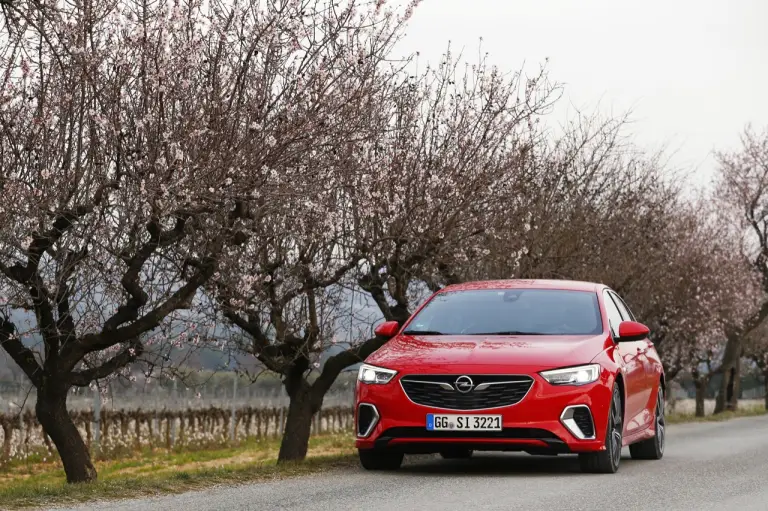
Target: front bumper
{"x":536,"y":424}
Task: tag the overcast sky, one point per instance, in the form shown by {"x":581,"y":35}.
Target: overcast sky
{"x":694,"y":72}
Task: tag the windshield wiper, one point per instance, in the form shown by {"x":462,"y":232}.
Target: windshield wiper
{"x":422,"y":332}
{"x":511,"y":332}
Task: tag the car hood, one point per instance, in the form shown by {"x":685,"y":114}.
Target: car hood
{"x":531,"y":352}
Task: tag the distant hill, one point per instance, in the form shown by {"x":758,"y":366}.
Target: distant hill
{"x":211,"y":359}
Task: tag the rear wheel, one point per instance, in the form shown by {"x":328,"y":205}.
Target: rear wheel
{"x":607,"y":461}
{"x":372,"y":459}
{"x":456,"y":454}
{"x":653,"y":448}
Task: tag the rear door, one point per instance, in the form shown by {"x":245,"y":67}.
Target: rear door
{"x":633,"y":369}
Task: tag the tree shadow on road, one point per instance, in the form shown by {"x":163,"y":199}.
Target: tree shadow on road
{"x":494,"y":464}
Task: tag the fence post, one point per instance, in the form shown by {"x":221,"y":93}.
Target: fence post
{"x":96,"y":420}
{"x":22,"y":431}
{"x":172,"y":425}
{"x":232,"y":421}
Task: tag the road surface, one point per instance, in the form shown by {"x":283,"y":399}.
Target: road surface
{"x":707,"y":466}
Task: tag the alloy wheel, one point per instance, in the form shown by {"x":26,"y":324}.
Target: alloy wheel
{"x":616,"y":429}
{"x":660,"y":421}
{"x":606,"y":461}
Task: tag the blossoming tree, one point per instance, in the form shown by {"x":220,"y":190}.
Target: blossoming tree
{"x":420,"y":172}
{"x":138,"y":148}
{"x":742,"y":197}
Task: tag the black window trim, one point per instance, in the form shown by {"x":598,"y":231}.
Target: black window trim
{"x":607,"y":296}
{"x":616,"y":296}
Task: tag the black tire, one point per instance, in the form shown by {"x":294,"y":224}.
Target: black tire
{"x":372,"y":459}
{"x":456,"y":454}
{"x":607,"y":461}
{"x":653,"y":448}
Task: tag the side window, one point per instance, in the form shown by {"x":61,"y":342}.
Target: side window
{"x":625,"y":312}
{"x":614,"y":316}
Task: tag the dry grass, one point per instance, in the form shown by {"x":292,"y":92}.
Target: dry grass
{"x":688,"y":406}
{"x":743,"y":411}
{"x":41,"y":484}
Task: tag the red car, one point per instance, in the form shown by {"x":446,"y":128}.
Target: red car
{"x":541,"y":366}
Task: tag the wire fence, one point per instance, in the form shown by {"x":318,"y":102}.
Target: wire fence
{"x":123,"y":420}
{"x":110,"y":433}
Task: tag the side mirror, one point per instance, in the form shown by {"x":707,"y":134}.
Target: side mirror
{"x":632,"y":331}
{"x":388,"y":329}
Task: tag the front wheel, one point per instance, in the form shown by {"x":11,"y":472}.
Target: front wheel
{"x":372,"y":459}
{"x":607,"y":461}
{"x":653,"y":448}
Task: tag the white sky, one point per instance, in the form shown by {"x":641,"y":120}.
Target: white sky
{"x":694,"y":72}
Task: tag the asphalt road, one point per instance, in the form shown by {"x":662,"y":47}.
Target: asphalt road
{"x":707,"y":466}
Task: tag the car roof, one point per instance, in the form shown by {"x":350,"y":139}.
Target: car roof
{"x":570,"y":285}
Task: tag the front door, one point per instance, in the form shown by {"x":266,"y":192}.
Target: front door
{"x":644,"y":392}
{"x":633,"y":370}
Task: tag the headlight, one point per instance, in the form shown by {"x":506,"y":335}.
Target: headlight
{"x":373,"y":374}
{"x":580,"y":375}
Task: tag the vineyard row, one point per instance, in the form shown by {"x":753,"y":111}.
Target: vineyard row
{"x":110,"y":432}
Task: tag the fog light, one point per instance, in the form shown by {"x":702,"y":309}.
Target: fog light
{"x":578,"y":420}
{"x":367,"y":418}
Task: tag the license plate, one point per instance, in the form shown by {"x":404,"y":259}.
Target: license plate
{"x":438,"y":422}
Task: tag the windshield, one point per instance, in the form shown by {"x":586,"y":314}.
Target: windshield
{"x":510,"y":312}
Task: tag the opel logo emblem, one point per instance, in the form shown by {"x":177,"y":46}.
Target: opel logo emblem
{"x":464,"y":384}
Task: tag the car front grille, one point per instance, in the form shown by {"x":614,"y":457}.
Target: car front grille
{"x":479,"y":391}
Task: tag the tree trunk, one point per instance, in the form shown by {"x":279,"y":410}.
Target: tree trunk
{"x":734,"y":387}
{"x":731,"y":358}
{"x":298,"y":425}
{"x":765,"y":385}
{"x":728,"y":394}
{"x":51,"y":409}
{"x":701,"y":390}
{"x":720,"y":398}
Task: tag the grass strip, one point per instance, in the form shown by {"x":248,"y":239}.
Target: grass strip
{"x":52,"y":490}
{"x":751,"y":411}
{"x":159,"y":473}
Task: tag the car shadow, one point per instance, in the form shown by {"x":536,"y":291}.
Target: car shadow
{"x":494,"y":464}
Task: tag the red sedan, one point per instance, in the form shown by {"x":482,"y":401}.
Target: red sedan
{"x":545,"y":367}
